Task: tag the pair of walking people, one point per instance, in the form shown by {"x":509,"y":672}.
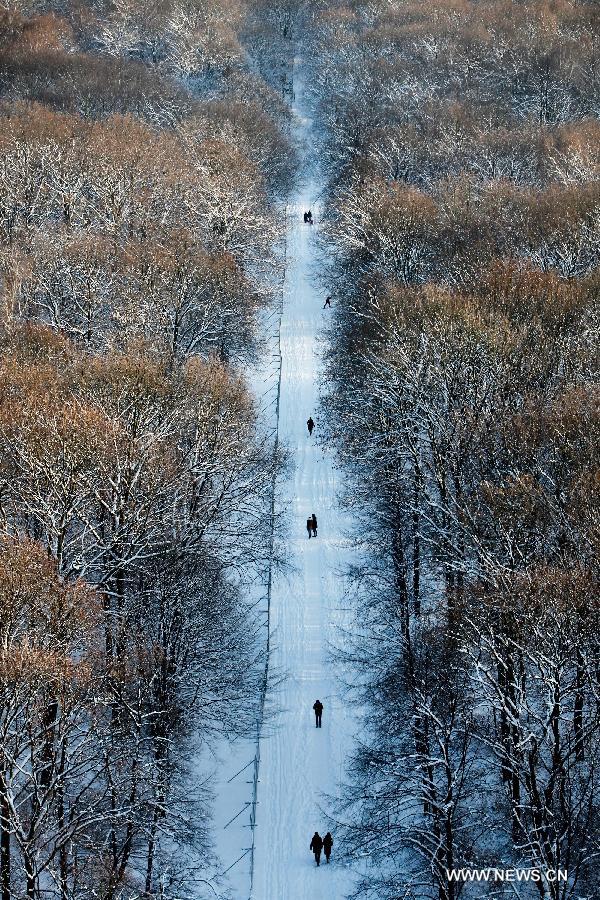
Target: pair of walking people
{"x":319,"y":844}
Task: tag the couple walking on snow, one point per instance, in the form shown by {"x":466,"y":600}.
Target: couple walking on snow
{"x":318,"y":844}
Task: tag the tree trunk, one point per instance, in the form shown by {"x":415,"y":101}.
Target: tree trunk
{"x":29,"y":875}
{"x":399,"y":562}
{"x":578,"y":710}
{"x":416,"y":525}
{"x":4,"y":838}
{"x":62,"y":857}
{"x":47,"y":753}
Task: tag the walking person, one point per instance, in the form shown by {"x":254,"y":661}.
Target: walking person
{"x":309,"y":526}
{"x":310,"y":425}
{"x":313,"y":520}
{"x":327,"y":302}
{"x":327,"y":845}
{"x":316,"y":845}
{"x":309,"y":217}
{"x":318,"y":708}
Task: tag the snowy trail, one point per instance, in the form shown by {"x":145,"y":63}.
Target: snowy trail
{"x":300,"y":764}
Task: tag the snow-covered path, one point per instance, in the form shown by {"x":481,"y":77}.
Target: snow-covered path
{"x":300,"y":764}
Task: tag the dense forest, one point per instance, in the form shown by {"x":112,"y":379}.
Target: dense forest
{"x":462,"y":152}
{"x":145,"y":161}
{"x":141,"y":154}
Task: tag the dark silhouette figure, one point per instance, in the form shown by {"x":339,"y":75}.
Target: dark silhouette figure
{"x":327,"y":845}
{"x":327,"y":302}
{"x":316,"y":845}
{"x":309,"y":217}
{"x":305,"y":218}
{"x":318,"y":708}
{"x":313,"y":520}
{"x":309,"y":527}
{"x":310,"y":425}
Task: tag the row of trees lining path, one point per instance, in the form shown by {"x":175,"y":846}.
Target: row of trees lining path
{"x":143,"y":151}
{"x":463,"y":221}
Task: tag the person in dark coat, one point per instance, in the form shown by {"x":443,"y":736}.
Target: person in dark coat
{"x":316,"y":845}
{"x":309,"y":527}
{"x":327,"y":302}
{"x":313,"y":519}
{"x":318,"y":708}
{"x":310,"y":425}
{"x":305,"y":218}
{"x":309,"y":217}
{"x":327,"y":845}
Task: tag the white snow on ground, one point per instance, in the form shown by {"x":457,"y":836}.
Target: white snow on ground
{"x":301,"y":764}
